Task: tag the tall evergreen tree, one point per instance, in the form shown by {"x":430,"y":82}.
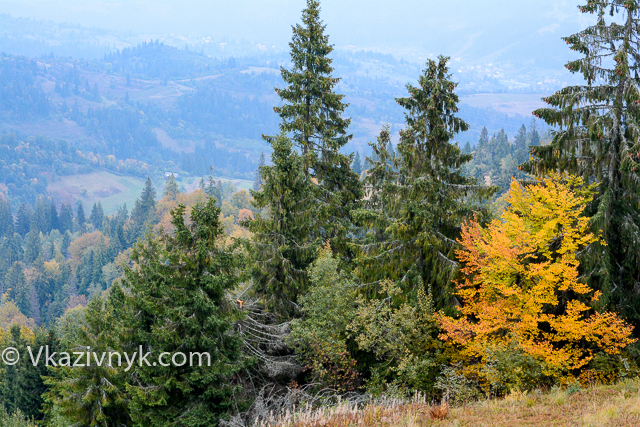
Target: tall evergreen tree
{"x":171,"y":189}
{"x":97,"y":216}
{"x":93,"y":394}
{"x":23,"y":220}
{"x":214,"y":189}
{"x":122,"y":215}
{"x":467,"y":148}
{"x":143,"y":211}
{"x":12,"y":249}
{"x":357,"y":164}
{"x":81,"y":219}
{"x":312,"y":111}
{"x":416,"y":205}
{"x":33,"y":386}
{"x":280,"y":249}
{"x":65,"y":219}
{"x":177,"y":303}
{"x":15,"y":390}
{"x":42,"y":215}
{"x":18,"y":288}
{"x":257,"y":180}
{"x":599,"y":138}
{"x":312,"y":114}
{"x":483,"y":139}
{"x":520,"y":145}
{"x":66,"y":242}
{"x":534,"y":136}
{"x":6,"y":218}
{"x":33,"y":245}
{"x":53,"y":215}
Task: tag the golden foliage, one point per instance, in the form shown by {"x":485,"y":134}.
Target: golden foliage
{"x":167,"y":204}
{"x":84,"y":242}
{"x":520,"y":281}
{"x":10,"y":314}
{"x":52,"y":270}
{"x":244,"y":215}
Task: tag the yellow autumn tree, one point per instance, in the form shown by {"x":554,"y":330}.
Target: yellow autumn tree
{"x":520,"y":284}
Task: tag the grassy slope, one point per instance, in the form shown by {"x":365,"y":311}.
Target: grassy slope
{"x":617,"y":405}
{"x":110,"y":189}
{"x":114,"y":190}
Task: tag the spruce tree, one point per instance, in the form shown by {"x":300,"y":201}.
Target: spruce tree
{"x":280,"y":250}
{"x":143,"y":211}
{"x":53,"y":215}
{"x":171,"y":189}
{"x":81,"y":219}
{"x":66,"y":242}
{"x":257,"y":180}
{"x":312,"y":114}
{"x":33,"y":385}
{"x":93,"y":394}
{"x":6,"y":218}
{"x":215,"y":190}
{"x":416,"y":206}
{"x":467,"y":148}
{"x":23,"y":220}
{"x":357,"y":164}
{"x":15,"y":393}
{"x":599,"y":139}
{"x":33,"y":245}
{"x":42,"y":215}
{"x":12,"y":249}
{"x":177,"y":304}
{"x":483,"y":139}
{"x":18,"y":288}
{"x":534,"y":136}
{"x":148,"y":197}
{"x":312,"y":111}
{"x":520,"y":145}
{"x":97,"y":216}
{"x":65,"y":219}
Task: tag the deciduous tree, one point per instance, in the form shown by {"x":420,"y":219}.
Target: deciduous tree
{"x":521,"y":284}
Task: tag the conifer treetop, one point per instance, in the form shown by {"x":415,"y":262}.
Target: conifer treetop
{"x":598,"y":138}
{"x":312,"y":110}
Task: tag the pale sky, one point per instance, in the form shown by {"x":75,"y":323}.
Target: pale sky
{"x":454,"y":27}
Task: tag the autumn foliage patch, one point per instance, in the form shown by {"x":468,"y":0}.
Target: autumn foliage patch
{"x":521,"y":288}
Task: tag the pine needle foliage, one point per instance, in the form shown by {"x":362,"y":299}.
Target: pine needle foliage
{"x":177,"y":304}
{"x":280,"y":249}
{"x":312,"y":110}
{"x":417,"y":199}
{"x":599,"y":139}
{"x":93,"y":395}
{"x":312,"y":115}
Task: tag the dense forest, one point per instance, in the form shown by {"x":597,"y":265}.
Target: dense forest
{"x":422,"y":266}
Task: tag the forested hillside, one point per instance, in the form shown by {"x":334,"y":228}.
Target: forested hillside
{"x":246,"y":260}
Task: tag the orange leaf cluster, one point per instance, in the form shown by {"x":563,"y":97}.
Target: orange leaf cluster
{"x":520,"y":281}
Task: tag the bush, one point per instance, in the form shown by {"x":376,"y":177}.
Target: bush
{"x":402,"y":334}
{"x":320,"y":337}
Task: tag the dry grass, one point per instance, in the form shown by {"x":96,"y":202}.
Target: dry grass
{"x":616,"y":405}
